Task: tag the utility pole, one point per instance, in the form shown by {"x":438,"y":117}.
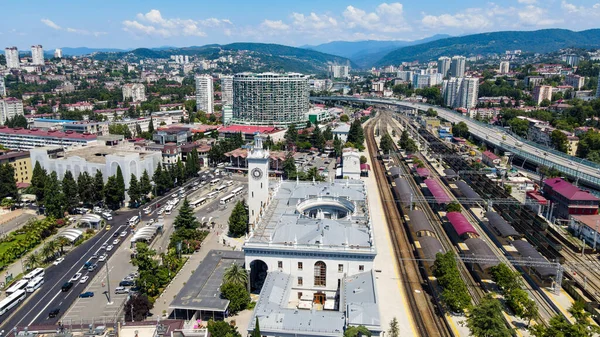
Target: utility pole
{"x":107,"y":281}
{"x":595,"y":235}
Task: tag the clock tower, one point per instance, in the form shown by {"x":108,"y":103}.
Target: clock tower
{"x":258,"y":180}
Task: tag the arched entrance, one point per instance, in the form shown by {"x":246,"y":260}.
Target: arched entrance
{"x":258,"y":274}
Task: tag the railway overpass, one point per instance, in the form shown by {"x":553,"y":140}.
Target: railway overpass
{"x":582,"y":171}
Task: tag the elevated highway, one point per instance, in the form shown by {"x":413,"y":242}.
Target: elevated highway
{"x":582,"y":171}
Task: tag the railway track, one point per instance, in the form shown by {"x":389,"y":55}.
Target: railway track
{"x":426,"y":320}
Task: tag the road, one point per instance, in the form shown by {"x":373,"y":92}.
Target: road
{"x":575,"y":167}
{"x":48,"y":297}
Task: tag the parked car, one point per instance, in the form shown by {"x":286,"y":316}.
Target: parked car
{"x":86,"y":294}
{"x":123,"y":234}
{"x":126,"y":283}
{"x":121,"y":290}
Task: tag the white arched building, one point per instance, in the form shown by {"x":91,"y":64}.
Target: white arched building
{"x":310,"y":255}
{"x":98,"y":157}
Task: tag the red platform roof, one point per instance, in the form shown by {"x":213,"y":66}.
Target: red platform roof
{"x":423,"y":172}
{"x":437,"y":191}
{"x":460,"y":224}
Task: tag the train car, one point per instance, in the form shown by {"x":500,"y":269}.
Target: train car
{"x":403,"y":192}
{"x":463,"y":229}
{"x":437,"y":191}
{"x":419,"y":223}
{"x":500,"y":226}
{"x":423,"y":172}
{"x":395,"y":172}
{"x":428,"y":247}
{"x":450,"y":174}
{"x":466,"y":190}
{"x":480,"y":249}
{"x":544,"y":274}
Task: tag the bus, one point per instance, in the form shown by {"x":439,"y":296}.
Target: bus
{"x":11,"y":301}
{"x":212,"y":195}
{"x":34,"y":273}
{"x":228,"y":182}
{"x":198,"y":202}
{"x":220,"y":188}
{"x":134,"y":220}
{"x":214,"y":181}
{"x":168,"y":209}
{"x":237,"y":191}
{"x":19,"y":285}
{"x":227,"y":199}
{"x":34,"y":284}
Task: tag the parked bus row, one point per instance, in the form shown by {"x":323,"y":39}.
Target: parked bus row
{"x":16,"y":293}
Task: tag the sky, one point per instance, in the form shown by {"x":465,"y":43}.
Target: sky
{"x":181,"y":23}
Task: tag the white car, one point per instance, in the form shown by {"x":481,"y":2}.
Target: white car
{"x":102,"y":257}
{"x":116,"y":242}
{"x":109,"y":248}
{"x":123,"y":233}
{"x":84,"y":279}
{"x":160,"y":211}
{"x":75,"y":277}
{"x":151,"y":221}
{"x":174,"y":195}
{"x":58,"y":261}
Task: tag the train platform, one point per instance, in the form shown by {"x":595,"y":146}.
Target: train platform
{"x":391,"y":293}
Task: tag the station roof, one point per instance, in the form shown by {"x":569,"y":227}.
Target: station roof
{"x":501,"y":225}
{"x":437,"y":191}
{"x":423,"y":172}
{"x":202,"y":291}
{"x":395,"y":171}
{"x":450,"y":173}
{"x":466,"y":190}
{"x":478,"y":248}
{"x":72,"y":234}
{"x":460,"y":224}
{"x":526,"y":250}
{"x":430,"y":246}
{"x":403,"y":190}
{"x":419,"y":221}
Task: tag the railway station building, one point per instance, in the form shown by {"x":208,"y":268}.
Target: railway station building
{"x":310,"y":255}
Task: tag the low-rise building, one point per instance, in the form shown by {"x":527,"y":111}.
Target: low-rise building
{"x":135,"y":91}
{"x":79,"y":106}
{"x":542,"y":92}
{"x":178,"y":136}
{"x":586,"y":227}
{"x":490,"y":159}
{"x":24,"y":139}
{"x":569,"y":199}
{"x":87,"y":127}
{"x":21,"y":162}
{"x":249,"y":131}
{"x":341,"y":131}
{"x":350,"y":164}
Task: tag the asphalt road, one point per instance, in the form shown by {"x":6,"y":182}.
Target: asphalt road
{"x":49,"y":296}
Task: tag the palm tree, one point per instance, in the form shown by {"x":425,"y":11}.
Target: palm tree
{"x":49,"y":250}
{"x":236,"y":274}
{"x":32,"y":260}
{"x":62,"y":242}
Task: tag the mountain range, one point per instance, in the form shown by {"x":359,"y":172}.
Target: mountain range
{"x":539,"y":41}
{"x":365,"y":53}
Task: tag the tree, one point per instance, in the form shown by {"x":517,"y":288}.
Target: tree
{"x":431,"y":113}
{"x":453,"y":207}
{"x":38,"y":181}
{"x":238,"y":220}
{"x":186,"y":218}
{"x":363,"y":159}
{"x":256,"y":331}
{"x":236,"y":274}
{"x":394,"y":330}
{"x":386,"y":144}
{"x":112,"y":193}
{"x":559,"y":326}
{"x":337,"y":146}
{"x":70,"y":190}
{"x":356,"y":331}
{"x":486,"y":320}
{"x":455,"y":293}
{"x":559,"y":140}
{"x":135,"y":195}
{"x":139,"y":306}
{"x":192,"y":164}
{"x":145,"y":186}
{"x":411,"y":146}
{"x":289,"y":167}
{"x":519,"y":126}
{"x":291,"y":135}
{"x":151,"y":126}
{"x":54,"y":199}
{"x":8,"y":185}
{"x":318,"y":138}
{"x":460,"y":130}
{"x":505,"y":278}
{"x":180,"y":172}
{"x":120,"y":183}
{"x":222,"y":329}
{"x":238,"y":296}
{"x":404,"y":138}
{"x":545,"y":103}
{"x":328,"y":133}
{"x":98,"y":191}
{"x":344,"y":118}
{"x":85,"y":188}
{"x":32,"y":260}
{"x":356,"y":134}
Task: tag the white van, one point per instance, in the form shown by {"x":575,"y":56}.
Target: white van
{"x":107,"y":216}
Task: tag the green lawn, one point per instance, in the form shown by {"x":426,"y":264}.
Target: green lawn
{"x":5,"y":245}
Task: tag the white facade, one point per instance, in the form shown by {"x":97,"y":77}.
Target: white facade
{"x":142,"y":122}
{"x":227,"y":90}
{"x":504,"y":67}
{"x":9,"y":108}
{"x":258,"y":180}
{"x":458,"y":66}
{"x":137,"y":92}
{"x":204,"y":93}
{"x":2,"y":86}
{"x":12,"y":57}
{"x":461,"y":92}
{"x":24,"y":139}
{"x":576,"y":81}
{"x":350,"y":164}
{"x":443,"y":65}
{"x":58,"y":53}
{"x":338,"y":71}
{"x":37,"y":55}
{"x":405,"y":75}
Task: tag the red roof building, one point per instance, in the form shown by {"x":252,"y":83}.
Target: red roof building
{"x":20,"y":139}
{"x":569,"y":199}
{"x":247,"y":130}
{"x":489,"y":158}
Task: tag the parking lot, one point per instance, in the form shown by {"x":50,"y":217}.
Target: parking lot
{"x":325,"y":164}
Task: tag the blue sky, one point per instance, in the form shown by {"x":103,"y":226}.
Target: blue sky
{"x":132,"y":24}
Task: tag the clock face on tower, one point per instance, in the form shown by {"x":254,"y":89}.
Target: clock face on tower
{"x":256,"y":173}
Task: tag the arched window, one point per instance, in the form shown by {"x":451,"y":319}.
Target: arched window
{"x":320,"y":274}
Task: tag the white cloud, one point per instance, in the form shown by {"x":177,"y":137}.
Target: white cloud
{"x":274,"y":25}
{"x":536,"y":16}
{"x":154,"y":24}
{"x":471,"y":19}
{"x":386,"y":18}
{"x":51,"y":24}
{"x":312,"y":22}
{"x":527,"y":2}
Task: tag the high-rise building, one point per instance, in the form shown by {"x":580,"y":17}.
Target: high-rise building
{"x":504,"y":67}
{"x":270,"y":98}
{"x":444,"y":65}
{"x":2,"y":87}
{"x":227,"y":90}
{"x":9,"y":108}
{"x":135,"y":91}
{"x":339,"y":71}
{"x":575,"y":81}
{"x":542,"y":92}
{"x":12,"y":57}
{"x":461,"y":92}
{"x":37,"y":55}
{"x":598,"y":89}
{"x":457,"y":66}
{"x":58,"y":53}
{"x":571,"y":59}
{"x":405,"y":75}
{"x":204,"y":93}
{"x":420,"y":81}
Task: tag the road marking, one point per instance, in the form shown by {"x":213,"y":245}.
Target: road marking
{"x":44,"y":309}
